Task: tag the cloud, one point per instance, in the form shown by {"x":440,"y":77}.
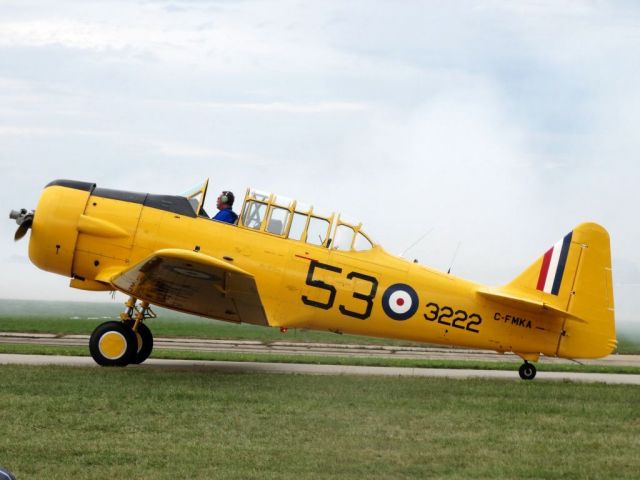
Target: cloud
{"x":191,"y":151}
{"x":271,"y":107}
{"x":26,"y":131}
{"x":18,"y":259}
{"x":285,"y":107}
{"x":72,"y":34}
{"x":231,"y":44}
{"x":501,"y":124}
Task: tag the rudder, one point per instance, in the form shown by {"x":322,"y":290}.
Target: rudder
{"x":574,"y":276}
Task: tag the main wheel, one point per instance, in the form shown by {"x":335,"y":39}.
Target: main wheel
{"x":527,"y":371}
{"x":113,"y":344}
{"x":6,"y":475}
{"x":144,"y":339}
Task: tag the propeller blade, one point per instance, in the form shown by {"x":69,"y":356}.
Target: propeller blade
{"x":23,"y":228}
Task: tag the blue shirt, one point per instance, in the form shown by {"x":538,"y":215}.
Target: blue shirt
{"x":226,"y":215}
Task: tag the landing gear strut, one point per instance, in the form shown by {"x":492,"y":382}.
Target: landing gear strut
{"x":527,"y":371}
{"x":128,"y":341}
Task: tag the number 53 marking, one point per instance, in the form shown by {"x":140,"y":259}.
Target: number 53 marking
{"x":367,"y":298}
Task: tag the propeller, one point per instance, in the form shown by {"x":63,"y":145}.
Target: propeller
{"x":24,"y":219}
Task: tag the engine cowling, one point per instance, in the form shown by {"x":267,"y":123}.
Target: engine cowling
{"x":54,"y":231}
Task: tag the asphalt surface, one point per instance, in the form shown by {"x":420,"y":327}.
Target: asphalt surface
{"x":294,"y":368}
{"x":316,"y":349}
{"x":319,"y":349}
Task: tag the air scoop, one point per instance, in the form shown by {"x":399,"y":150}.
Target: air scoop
{"x":24,"y":219}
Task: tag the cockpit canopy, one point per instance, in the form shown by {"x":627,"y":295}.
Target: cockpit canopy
{"x":294,"y":220}
{"x":287,"y":218}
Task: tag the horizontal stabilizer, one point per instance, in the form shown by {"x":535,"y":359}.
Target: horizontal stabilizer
{"x":524,"y":303}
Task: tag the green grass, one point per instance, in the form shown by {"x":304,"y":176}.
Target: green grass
{"x":326,"y":360}
{"x":183,"y":327}
{"x":165,"y":423}
{"x":628,"y":344}
{"x":81,"y":318}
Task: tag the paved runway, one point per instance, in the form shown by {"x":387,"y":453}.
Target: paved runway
{"x":318,"y":349}
{"x":295,"y":368}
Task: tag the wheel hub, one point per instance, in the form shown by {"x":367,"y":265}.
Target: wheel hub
{"x":112,"y":345}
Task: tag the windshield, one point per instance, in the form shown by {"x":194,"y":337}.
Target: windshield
{"x":196,"y":197}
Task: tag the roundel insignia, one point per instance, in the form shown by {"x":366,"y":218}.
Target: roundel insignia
{"x":400,"y":301}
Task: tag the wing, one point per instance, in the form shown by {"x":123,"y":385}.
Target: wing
{"x":193,"y":283}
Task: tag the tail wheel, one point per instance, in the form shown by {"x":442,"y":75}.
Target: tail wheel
{"x":527,"y":371}
{"x":113,"y":344}
{"x":144,"y":344}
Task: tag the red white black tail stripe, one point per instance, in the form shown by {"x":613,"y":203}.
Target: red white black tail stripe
{"x":553,"y":265}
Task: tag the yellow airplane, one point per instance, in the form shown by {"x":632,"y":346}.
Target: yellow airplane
{"x":286,"y":265}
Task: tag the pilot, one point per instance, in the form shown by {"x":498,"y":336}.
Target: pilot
{"x":224,"y":204}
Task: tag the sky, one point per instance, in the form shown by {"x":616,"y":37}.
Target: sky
{"x":490,"y":128}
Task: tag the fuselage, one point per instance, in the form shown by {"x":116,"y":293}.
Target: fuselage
{"x":80,"y":231}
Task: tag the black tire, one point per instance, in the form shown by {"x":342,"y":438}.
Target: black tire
{"x":144,"y":342}
{"x":113,"y":344}
{"x":6,"y":475}
{"x":527,"y":371}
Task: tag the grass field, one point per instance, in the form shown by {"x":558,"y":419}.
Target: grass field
{"x":82,"y":318}
{"x":327,"y":360}
{"x":65,"y":422}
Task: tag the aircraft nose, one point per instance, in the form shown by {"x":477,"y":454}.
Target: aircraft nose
{"x":54,"y":230}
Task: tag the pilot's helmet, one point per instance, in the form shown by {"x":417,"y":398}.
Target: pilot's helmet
{"x":227,"y":198}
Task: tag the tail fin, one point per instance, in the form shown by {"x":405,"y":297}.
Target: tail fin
{"x":574,"y":278}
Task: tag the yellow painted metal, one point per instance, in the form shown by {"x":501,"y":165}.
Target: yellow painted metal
{"x":112,"y":345}
{"x":576,"y":323}
{"x":106,"y":235}
{"x":105,"y":274}
{"x":591,"y":297}
{"x":90,"y":285}
{"x":54,"y":232}
{"x":529,"y":357}
{"x":200,"y":259}
{"x":98,"y":227}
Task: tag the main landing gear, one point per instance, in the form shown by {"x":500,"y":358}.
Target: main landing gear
{"x":117,"y":344}
{"x":527,"y":371}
